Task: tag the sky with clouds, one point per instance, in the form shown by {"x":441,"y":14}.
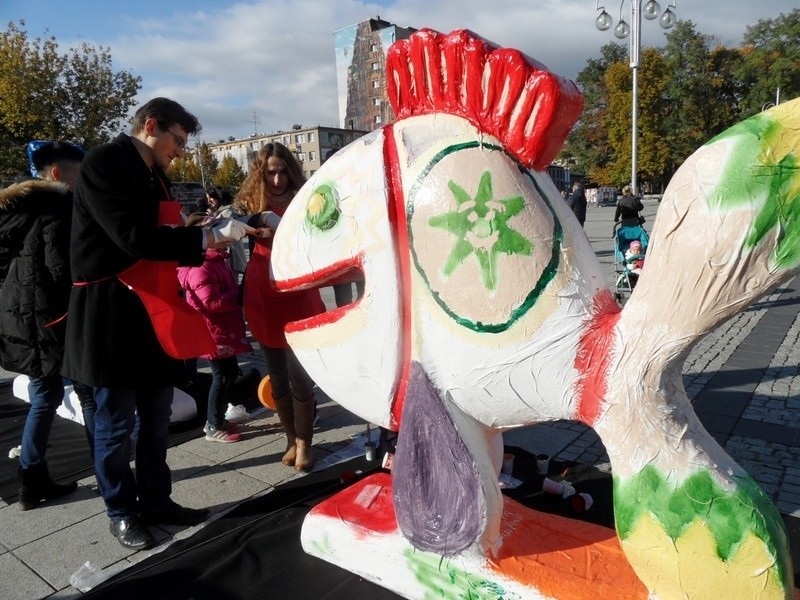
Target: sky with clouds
{"x":228,"y":61}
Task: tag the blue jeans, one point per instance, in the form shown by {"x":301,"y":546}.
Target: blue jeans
{"x":85,"y":394}
{"x":223,"y":378}
{"x":113,"y":426}
{"x":46,"y":395}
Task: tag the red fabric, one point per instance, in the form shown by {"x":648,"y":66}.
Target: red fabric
{"x":212,"y":290}
{"x":179,"y":328}
{"x":268,"y":310}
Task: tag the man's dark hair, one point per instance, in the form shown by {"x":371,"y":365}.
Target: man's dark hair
{"x":56,"y":152}
{"x":165,"y":112}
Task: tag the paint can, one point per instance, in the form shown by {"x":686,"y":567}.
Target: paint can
{"x":581,"y":502}
{"x":370,"y":451}
{"x":542,"y":464}
{"x":552,"y":487}
{"x":508,"y":463}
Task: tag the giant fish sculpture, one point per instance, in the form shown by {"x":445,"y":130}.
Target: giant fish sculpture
{"x":485,"y":309}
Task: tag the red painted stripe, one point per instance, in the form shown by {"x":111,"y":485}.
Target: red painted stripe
{"x":594,"y":357}
{"x":397,"y":218}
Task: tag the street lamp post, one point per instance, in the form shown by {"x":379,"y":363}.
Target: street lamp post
{"x":604,"y":21}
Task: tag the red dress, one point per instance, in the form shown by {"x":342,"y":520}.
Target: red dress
{"x":267,"y":310}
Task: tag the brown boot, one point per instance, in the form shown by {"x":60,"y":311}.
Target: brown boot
{"x":304,"y":427}
{"x":287,"y":417}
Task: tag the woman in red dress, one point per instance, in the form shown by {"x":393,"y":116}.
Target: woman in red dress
{"x":274,"y":179}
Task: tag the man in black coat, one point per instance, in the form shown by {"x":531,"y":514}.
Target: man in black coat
{"x":35,"y":218}
{"x":577,"y":202}
{"x":112,"y":343}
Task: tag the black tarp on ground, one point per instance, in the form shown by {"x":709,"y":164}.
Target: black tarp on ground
{"x":255,"y":552}
{"x":67,"y":449}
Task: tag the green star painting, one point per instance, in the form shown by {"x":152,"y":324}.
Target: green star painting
{"x":480,"y":225}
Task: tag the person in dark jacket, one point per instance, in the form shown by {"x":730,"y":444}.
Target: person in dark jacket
{"x":628,"y":208}
{"x":577,"y":202}
{"x":35,"y":218}
{"x":121,"y":231}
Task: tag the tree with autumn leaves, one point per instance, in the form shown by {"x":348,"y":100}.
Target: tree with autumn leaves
{"x":689,"y":91}
{"x":200,"y":164}
{"x":49,"y":94}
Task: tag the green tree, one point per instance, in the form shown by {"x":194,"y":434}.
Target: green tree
{"x":587,"y":145}
{"x":230,"y":175}
{"x":614,"y":167}
{"x":47,"y":94}
{"x":702,"y":90}
{"x":207,"y":162}
{"x":771,"y":60}
{"x":184,"y":168}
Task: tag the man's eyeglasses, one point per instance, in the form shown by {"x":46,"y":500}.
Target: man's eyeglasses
{"x":179,"y":141}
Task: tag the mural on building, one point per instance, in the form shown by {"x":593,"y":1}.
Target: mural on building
{"x":361,"y":73}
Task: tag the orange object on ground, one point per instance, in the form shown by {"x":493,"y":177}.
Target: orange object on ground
{"x":265,"y":393}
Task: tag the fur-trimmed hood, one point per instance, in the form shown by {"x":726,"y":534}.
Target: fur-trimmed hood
{"x":18,"y":192}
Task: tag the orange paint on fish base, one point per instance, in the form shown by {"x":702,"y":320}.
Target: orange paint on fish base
{"x":551,"y":555}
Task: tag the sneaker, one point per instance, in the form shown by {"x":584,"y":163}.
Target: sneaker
{"x":220,"y":435}
{"x":227,"y":426}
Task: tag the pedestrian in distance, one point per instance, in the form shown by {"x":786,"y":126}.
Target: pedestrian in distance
{"x":628,"y":208}
{"x":577,"y":202}
{"x":121,"y":334}
{"x":35,"y":219}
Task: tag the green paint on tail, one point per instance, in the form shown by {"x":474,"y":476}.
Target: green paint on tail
{"x":442,"y":580}
{"x":759,"y":170}
{"x":730,"y":515}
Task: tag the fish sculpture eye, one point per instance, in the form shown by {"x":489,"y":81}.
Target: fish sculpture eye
{"x":322,"y":210}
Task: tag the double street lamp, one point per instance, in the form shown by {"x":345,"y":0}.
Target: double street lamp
{"x":604,"y":21}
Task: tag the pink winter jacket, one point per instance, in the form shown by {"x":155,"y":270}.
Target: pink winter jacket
{"x":211,"y":290}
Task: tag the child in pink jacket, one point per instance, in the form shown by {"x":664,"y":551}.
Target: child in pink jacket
{"x":212,"y":290}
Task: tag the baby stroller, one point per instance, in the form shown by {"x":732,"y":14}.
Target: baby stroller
{"x":625,"y":233}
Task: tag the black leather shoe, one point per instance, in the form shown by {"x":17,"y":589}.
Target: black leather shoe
{"x":175,"y":514}
{"x":131,"y":533}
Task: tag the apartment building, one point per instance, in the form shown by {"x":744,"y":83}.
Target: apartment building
{"x":312,"y":146}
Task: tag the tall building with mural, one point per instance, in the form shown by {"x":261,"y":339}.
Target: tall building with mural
{"x":361,"y":74}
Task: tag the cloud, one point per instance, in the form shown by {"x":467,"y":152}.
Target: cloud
{"x":276,"y":57}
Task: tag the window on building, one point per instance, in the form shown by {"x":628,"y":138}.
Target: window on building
{"x":377,"y":119}
{"x":376,"y":66}
{"x":374,"y":47}
{"x":376,"y":84}
{"x":312,"y":155}
{"x":376,"y":102}
{"x":301,"y":156}
{"x":285,"y":140}
{"x":310,"y":136}
{"x":300,"y":138}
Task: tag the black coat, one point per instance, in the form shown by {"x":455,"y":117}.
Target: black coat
{"x":110,"y":339}
{"x":34,"y":271}
{"x":577,"y":202}
{"x":628,"y":207}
